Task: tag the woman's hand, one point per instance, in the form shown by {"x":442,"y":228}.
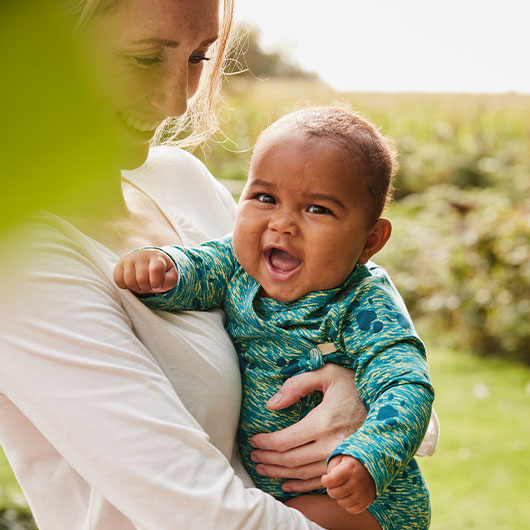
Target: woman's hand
{"x":300,"y":451}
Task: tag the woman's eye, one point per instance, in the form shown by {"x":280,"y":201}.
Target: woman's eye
{"x":319,"y":210}
{"x":265,"y":198}
{"x":197,"y":59}
{"x":146,"y":61}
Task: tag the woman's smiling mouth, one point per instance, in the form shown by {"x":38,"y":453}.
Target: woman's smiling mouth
{"x":280,"y":264}
{"x":138,"y":124}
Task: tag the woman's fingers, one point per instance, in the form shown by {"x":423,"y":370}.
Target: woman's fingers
{"x":307,"y":430}
{"x":307,"y":472}
{"x":302,"y":486}
{"x":295,"y":388}
{"x":299,"y":456}
{"x":339,"y":415}
{"x":328,"y":423}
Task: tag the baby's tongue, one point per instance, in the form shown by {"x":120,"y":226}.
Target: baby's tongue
{"x":283,"y":260}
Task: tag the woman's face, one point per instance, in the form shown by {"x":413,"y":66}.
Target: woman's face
{"x":149,"y":56}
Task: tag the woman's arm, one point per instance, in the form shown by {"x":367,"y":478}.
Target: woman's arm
{"x":71,"y":363}
{"x":300,"y":451}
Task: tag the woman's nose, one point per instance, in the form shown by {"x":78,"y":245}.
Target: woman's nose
{"x":283,"y":223}
{"x":171,"y":92}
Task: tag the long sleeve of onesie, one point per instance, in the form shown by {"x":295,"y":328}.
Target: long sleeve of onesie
{"x":204,"y":273}
{"x":392,"y":380}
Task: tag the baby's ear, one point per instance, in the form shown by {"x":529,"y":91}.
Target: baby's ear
{"x":376,"y":240}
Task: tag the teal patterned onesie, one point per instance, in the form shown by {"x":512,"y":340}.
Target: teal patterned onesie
{"x":372,"y":333}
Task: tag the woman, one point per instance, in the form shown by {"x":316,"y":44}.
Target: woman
{"x":112,"y":416}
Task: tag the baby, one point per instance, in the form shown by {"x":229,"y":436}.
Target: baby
{"x":299,"y":290}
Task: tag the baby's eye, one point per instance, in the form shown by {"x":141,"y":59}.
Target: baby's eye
{"x":146,"y":61}
{"x":265,"y":198}
{"x":318,"y":210}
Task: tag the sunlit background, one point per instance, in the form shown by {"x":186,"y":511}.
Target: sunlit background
{"x":406,"y":45}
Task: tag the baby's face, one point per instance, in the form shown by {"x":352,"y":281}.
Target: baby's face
{"x":303,"y":219}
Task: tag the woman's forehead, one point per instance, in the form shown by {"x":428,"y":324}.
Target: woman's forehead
{"x":165,"y":19}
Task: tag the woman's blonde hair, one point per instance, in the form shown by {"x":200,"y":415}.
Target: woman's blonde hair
{"x":200,"y":120}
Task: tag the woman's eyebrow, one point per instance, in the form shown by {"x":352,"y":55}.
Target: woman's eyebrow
{"x":171,"y":43}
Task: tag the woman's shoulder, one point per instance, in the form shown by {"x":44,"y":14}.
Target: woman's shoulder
{"x":169,"y":168}
{"x":45,"y":250}
{"x":183,"y":185}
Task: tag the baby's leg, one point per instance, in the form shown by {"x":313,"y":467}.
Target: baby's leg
{"x":326,"y":512}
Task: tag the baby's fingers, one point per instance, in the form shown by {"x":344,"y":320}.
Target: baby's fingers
{"x":337,"y":474}
{"x":346,"y":489}
{"x":170,"y":280}
{"x":352,"y":505}
{"x":118,"y":276}
{"x":132,"y":276}
{"x":162,"y":273}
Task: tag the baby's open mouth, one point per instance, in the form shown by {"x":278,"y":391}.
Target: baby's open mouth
{"x":281,"y":261}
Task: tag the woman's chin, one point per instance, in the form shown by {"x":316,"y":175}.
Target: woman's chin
{"x":134,"y":156}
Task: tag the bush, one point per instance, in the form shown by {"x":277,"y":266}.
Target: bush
{"x":13,"y":519}
{"x":461,"y":260}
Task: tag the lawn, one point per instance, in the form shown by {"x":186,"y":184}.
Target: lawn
{"x":479,"y":475}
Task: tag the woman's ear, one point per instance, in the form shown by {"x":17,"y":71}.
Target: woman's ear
{"x":376,"y":240}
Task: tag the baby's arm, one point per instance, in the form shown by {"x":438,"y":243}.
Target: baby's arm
{"x":393,"y":382}
{"x":146,"y":271}
{"x":179,"y":278}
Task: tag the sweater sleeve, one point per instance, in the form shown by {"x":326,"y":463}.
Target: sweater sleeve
{"x":204,"y":273}
{"x":75,"y":369}
{"x":392,"y":380}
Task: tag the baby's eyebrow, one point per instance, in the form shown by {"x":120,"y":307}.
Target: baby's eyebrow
{"x":325,"y":197}
{"x":262,"y":183}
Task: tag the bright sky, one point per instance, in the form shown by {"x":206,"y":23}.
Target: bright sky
{"x":401,"y":45}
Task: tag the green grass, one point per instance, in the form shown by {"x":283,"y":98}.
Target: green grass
{"x":479,"y":475}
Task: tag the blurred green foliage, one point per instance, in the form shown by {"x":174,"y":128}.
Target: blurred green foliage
{"x":16,"y":519}
{"x":460,"y":253}
{"x":58,"y":145}
{"x":461,"y":259}
{"x":14,"y":511}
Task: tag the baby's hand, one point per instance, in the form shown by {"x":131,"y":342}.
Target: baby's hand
{"x":349,"y":483}
{"x":146,"y":271}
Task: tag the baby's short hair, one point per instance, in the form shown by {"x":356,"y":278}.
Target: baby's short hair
{"x":359,"y":139}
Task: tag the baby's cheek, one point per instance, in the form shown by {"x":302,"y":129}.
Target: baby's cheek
{"x":246,"y":249}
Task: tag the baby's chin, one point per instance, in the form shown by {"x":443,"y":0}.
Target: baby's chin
{"x":281,"y":295}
